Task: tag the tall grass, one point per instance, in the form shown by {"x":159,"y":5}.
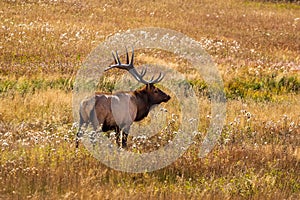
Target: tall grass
{"x":256,"y":47}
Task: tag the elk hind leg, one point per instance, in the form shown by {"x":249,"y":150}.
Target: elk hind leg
{"x":93,"y":119}
{"x":79,"y":134}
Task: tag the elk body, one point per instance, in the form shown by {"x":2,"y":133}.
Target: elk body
{"x":118,"y":111}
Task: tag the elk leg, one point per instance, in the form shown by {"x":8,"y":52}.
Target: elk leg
{"x":125,"y":132}
{"x":77,"y":142}
{"x":79,"y":133}
{"x":95,"y":124}
{"x":117,"y":136}
{"x":93,"y":119}
{"x":124,"y":139}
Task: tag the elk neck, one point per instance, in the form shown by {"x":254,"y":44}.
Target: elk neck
{"x":143,"y":104}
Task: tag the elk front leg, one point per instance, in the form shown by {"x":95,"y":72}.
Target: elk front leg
{"x":124,"y":140}
{"x":117,"y":129}
{"x":125,"y":132}
{"x":121,"y":135}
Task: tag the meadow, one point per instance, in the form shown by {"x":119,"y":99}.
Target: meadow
{"x":256,"y":45}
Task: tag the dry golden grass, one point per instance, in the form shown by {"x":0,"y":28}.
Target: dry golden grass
{"x":256,"y":46}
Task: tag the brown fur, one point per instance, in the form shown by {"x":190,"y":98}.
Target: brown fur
{"x":118,"y":111}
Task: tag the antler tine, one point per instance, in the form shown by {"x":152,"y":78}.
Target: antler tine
{"x":150,"y":81}
{"x":131,"y":69}
{"x":132,"y":56}
{"x":144,"y":70}
{"x":159,"y":78}
{"x":118,"y":58}
{"x":116,"y":62}
{"x":127,"y":56}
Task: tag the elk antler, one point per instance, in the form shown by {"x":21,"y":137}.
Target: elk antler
{"x":130,"y":68}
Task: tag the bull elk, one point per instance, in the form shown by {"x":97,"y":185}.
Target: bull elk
{"x":130,"y":106}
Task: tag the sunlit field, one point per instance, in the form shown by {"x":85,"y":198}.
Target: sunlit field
{"x":256,"y":46}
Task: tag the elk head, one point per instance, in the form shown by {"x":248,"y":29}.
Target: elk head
{"x":155,"y":95}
